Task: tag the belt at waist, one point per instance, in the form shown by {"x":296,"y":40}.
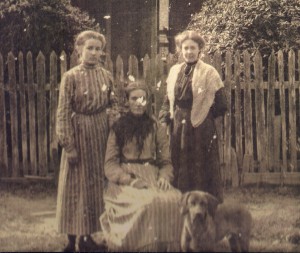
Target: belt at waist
{"x":184,"y":105}
{"x":140,"y":161}
{"x":101,"y":109}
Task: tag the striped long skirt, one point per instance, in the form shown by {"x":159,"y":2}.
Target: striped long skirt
{"x":142,"y":219}
{"x":80,"y":187}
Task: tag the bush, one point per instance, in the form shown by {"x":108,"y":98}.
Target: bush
{"x":41,"y":25}
{"x":265,"y":25}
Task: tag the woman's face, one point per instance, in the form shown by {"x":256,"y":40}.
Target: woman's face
{"x":91,"y":51}
{"x":138,"y":102}
{"x":190,"y":50}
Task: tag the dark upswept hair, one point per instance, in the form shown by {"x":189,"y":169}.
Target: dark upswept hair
{"x":136,"y":85}
{"x":189,"y":34}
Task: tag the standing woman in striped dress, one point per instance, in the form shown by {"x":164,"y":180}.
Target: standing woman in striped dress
{"x":82,"y":130}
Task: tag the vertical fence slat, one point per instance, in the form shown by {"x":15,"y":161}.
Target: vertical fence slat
{"x":41,"y":115}
{"x":248,"y":115}
{"x":13,"y":115}
{"x":238,"y":116}
{"x":52,"y":107}
{"x":148,"y":73}
{"x":23,"y":106}
{"x":108,"y":64}
{"x":292,"y":111}
{"x":227,"y":119}
{"x":3,"y":140}
{"x":120,"y":80}
{"x":31,"y":114}
{"x":63,"y":63}
{"x":73,"y":59}
{"x":133,"y":68}
{"x":158,"y":90}
{"x":270,"y":111}
{"x":260,"y":113}
{"x":283,"y":111}
{"x":217,"y":62}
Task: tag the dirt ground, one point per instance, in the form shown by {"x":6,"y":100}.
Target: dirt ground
{"x":27,"y":218}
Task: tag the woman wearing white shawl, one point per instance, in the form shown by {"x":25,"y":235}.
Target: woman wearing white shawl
{"x":195,"y":97}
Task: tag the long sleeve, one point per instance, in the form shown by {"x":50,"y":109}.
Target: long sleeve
{"x":220,"y":105}
{"x":164,"y":113}
{"x":64,"y":127}
{"x":112,"y":169}
{"x":163,"y":157}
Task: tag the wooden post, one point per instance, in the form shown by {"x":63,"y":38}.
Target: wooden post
{"x":13,"y":115}
{"x":153,"y":29}
{"x":108,"y":28}
{"x":3,"y":140}
{"x":163,"y":28}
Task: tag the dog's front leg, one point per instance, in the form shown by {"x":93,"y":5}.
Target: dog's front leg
{"x":185,"y":239}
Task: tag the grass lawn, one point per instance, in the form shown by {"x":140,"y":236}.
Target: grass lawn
{"x":27,"y":217}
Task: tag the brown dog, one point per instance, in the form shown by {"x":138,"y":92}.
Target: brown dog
{"x":206,"y":223}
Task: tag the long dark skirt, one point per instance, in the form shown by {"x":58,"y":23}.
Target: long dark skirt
{"x":195,"y":155}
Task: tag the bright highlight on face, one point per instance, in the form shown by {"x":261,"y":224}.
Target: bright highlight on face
{"x":190,"y":50}
{"x":91,"y":51}
{"x":137,"y":102}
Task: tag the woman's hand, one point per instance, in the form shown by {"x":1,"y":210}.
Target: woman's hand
{"x":163,"y":184}
{"x":72,"y":156}
{"x":139,"y":184}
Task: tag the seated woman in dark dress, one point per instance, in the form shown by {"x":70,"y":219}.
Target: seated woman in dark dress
{"x":141,"y":206}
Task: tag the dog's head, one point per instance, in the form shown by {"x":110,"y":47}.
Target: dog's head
{"x":198,"y":204}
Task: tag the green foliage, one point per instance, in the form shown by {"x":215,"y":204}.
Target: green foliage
{"x":41,"y":25}
{"x":238,"y":24}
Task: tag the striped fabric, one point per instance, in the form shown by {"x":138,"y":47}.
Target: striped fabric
{"x":141,"y":219}
{"x":82,"y":124}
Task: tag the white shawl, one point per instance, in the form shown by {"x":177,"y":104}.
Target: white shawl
{"x":205,"y":82}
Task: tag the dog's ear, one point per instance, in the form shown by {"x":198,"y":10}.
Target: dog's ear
{"x":213,"y":203}
{"x":183,"y":203}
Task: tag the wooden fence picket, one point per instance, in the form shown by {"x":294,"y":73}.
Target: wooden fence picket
{"x":31,"y":114}
{"x":3,"y":147}
{"x":133,"y":68}
{"x":41,"y":115}
{"x":282,"y":110}
{"x":227,"y":119}
{"x":217,"y":62}
{"x":15,"y":158}
{"x":23,"y":106}
{"x":270,"y":112}
{"x":248,"y":157}
{"x":53,"y":163}
{"x":238,"y":116}
{"x":292,"y":111}
{"x":260,"y":113}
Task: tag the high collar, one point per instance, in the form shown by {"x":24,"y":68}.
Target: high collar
{"x":190,"y":64}
{"x":89,"y":66}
